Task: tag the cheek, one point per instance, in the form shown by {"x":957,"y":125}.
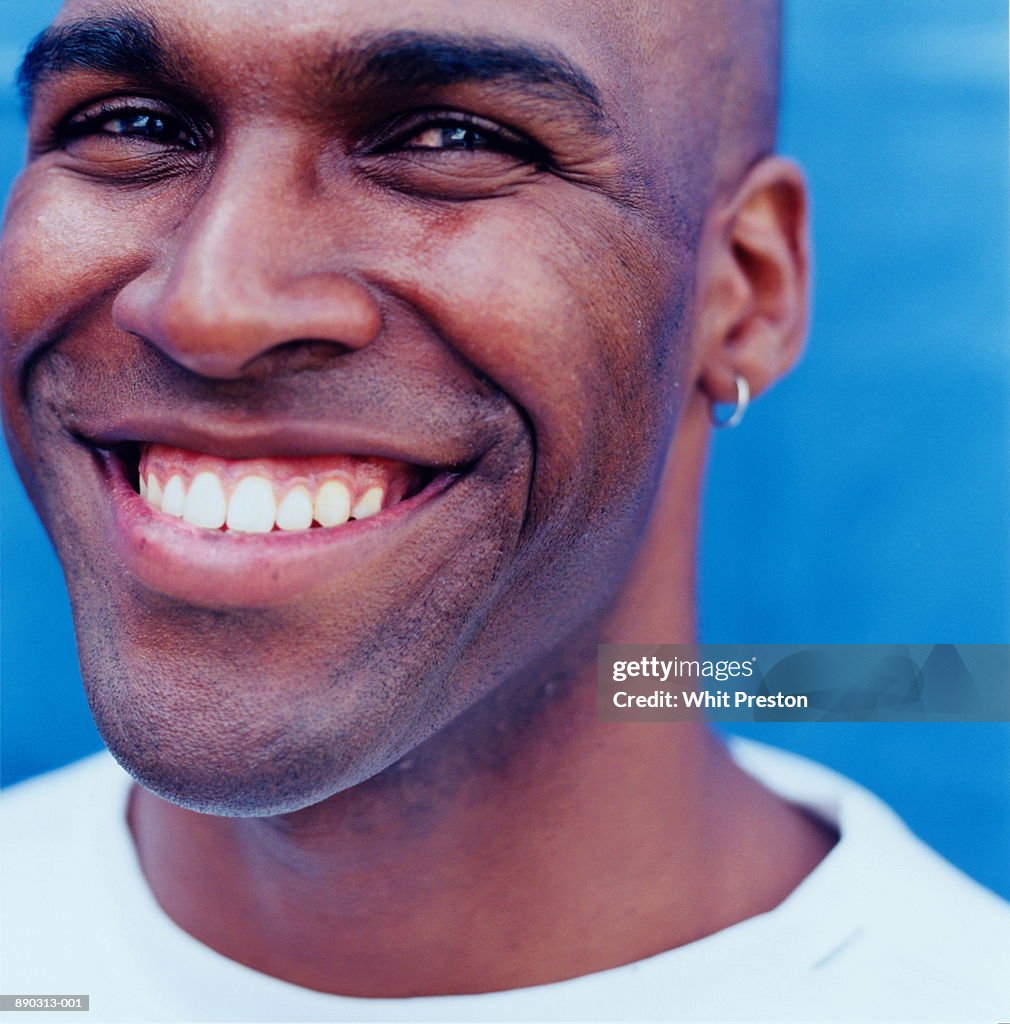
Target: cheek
{"x":62,"y":245}
{"x":575,"y":311}
{"x":64,"y":251}
{"x":580,"y":315}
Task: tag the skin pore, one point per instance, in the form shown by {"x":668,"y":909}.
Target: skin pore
{"x":524,"y":245}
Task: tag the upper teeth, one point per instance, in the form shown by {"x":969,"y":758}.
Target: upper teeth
{"x":253,"y":506}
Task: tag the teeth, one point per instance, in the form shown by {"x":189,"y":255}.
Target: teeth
{"x":252,"y":508}
{"x":333,"y":504}
{"x":153,"y":491}
{"x":369,"y":503}
{"x":173,"y":501}
{"x":205,"y":503}
{"x":295,"y":511}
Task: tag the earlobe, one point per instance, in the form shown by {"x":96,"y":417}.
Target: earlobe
{"x":754,"y":282}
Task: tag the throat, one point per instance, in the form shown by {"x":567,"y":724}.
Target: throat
{"x":589,"y":843}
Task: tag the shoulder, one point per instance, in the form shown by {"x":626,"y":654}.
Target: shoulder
{"x":66,"y":858}
{"x":74,"y":776}
{"x":33,"y":810}
{"x":915,"y":921}
{"x":57,"y":827}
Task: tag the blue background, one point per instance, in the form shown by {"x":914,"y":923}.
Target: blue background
{"x":866,"y":498}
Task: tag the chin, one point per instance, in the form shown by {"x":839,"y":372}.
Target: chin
{"x":229,"y":783}
{"x":234,"y":758}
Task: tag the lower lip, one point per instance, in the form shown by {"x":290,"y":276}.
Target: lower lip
{"x":218,"y":569}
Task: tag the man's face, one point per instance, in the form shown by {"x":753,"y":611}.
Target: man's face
{"x":435,"y":253}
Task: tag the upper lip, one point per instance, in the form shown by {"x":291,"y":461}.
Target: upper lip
{"x":245,"y":438}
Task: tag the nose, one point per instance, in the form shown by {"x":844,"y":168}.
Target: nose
{"x":241,"y":275}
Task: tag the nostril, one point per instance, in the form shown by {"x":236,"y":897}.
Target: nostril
{"x":335,"y":307}
{"x":297,"y":356}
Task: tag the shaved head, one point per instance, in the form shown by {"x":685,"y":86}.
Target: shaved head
{"x":713,"y":69}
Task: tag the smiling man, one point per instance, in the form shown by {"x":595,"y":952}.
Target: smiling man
{"x":359,"y":359}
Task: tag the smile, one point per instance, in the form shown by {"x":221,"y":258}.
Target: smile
{"x":259,"y":530}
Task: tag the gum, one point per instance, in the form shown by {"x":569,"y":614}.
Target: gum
{"x":357,"y":472}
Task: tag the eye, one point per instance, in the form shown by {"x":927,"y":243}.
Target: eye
{"x":128,"y":123}
{"x":445,"y":132}
{"x":451,"y":155}
{"x":456,"y":136}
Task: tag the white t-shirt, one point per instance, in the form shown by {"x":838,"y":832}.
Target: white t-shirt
{"x":883,"y":929}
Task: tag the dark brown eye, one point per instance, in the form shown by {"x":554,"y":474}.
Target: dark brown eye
{"x":150,"y":126}
{"x":452,"y":131}
{"x":452,"y":155}
{"x":128,"y":123}
{"x":450,"y":137}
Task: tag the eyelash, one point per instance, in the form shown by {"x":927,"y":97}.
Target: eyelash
{"x":391,"y":139}
{"x":497,"y":138}
{"x":91,"y":123}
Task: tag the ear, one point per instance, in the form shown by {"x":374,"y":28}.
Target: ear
{"x":754,"y":282}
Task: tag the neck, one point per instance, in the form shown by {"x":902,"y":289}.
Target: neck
{"x":580,"y":852}
{"x":489,"y":860}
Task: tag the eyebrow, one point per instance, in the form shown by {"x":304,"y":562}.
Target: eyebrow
{"x":128,"y":44}
{"x":123,"y":44}
{"x":406,"y":60}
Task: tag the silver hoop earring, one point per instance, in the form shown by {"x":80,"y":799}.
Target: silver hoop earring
{"x":742,"y":401}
